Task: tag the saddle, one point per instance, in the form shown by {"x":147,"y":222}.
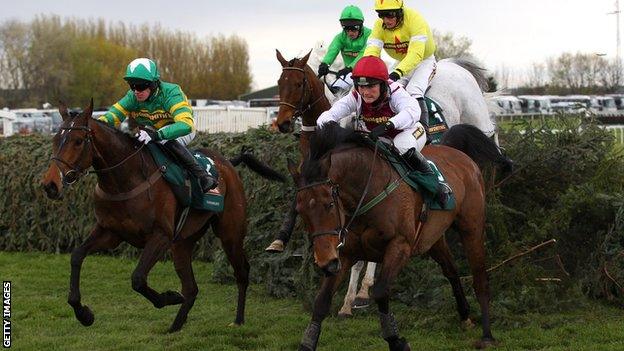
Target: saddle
{"x":425,"y":184}
{"x":437,"y":122}
{"x":185,"y":186}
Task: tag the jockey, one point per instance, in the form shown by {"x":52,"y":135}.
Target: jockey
{"x":406,"y":37}
{"x":387,"y":111}
{"x":350,"y":42}
{"x":162,"y":106}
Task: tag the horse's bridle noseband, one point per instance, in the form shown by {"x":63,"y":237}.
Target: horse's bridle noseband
{"x":341,"y":230}
{"x":299,"y":108}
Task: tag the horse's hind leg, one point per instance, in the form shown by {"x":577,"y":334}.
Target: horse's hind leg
{"x":99,"y":239}
{"x":153,"y":251}
{"x":472,"y":237}
{"x":182,"y":253}
{"x":442,"y":255}
{"x":345,"y":310}
{"x":231,"y":229}
{"x":362,"y":298}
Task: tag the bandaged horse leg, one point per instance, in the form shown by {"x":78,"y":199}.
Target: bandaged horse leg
{"x":390,"y":327}
{"x":345,"y":310}
{"x":285,"y":232}
{"x":363,"y":299}
{"x":322,"y":303}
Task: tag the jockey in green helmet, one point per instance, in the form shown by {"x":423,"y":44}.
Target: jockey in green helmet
{"x":350,"y":42}
{"x":164,"y":109}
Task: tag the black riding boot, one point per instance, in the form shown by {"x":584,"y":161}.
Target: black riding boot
{"x":419,"y":163}
{"x":424,"y":117}
{"x":184,"y":156}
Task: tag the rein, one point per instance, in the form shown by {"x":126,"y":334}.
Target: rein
{"x":343,"y":230}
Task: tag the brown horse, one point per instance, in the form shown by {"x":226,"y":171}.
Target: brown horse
{"x":134,"y":204}
{"x":336,"y":179}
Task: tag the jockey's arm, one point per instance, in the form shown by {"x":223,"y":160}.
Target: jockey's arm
{"x":405,"y":106}
{"x":341,"y":109}
{"x":118,"y":112}
{"x":415,"y":50}
{"x":182,"y":114}
{"x":333,"y":50}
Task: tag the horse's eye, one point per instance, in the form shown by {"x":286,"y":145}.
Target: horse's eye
{"x":329,"y":205}
{"x":79,"y":142}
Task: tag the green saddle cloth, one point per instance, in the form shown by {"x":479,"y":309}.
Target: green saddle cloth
{"x":425,"y":184}
{"x":185,"y":186}
{"x":437,"y":122}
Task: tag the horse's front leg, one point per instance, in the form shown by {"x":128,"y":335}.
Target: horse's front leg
{"x":345,"y":310}
{"x":285,"y":232}
{"x":362,"y":298}
{"x":322,"y":303}
{"x":99,"y":239}
{"x":157,"y":244}
{"x":395,"y":258}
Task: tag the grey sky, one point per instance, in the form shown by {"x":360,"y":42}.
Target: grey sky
{"x":508,"y":33}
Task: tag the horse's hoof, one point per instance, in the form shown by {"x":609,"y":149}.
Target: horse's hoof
{"x":467,"y":324}
{"x":84,"y":315}
{"x":344,"y":315}
{"x":400,"y":345}
{"x":175,"y":327}
{"x":276,"y":246}
{"x":171,"y":298}
{"x":485,"y":343}
{"x":360,"y":302}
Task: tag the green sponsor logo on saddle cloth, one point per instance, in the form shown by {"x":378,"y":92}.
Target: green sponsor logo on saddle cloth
{"x":187,"y":188}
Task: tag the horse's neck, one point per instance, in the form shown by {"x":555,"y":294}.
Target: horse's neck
{"x":118,"y":151}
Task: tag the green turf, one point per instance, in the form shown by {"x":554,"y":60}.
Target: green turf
{"x":124,"y":320}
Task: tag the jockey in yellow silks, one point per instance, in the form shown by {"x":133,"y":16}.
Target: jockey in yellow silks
{"x":406,"y":37}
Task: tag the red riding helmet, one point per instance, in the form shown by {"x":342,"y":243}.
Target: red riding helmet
{"x":369,"y":70}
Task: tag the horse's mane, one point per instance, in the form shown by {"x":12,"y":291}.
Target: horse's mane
{"x":118,"y":132}
{"x":324,"y":140}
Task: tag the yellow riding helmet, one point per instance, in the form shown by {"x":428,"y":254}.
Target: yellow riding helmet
{"x":383,"y":5}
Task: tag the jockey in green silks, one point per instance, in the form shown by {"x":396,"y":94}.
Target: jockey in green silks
{"x":162,"y":106}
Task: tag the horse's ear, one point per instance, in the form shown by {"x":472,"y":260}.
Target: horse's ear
{"x":304,"y":60}
{"x":294,"y":172}
{"x":63,"y":110}
{"x":281,"y":58}
{"x":88,"y":112}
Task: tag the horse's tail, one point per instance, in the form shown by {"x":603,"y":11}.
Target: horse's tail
{"x":477,"y":72}
{"x":257,"y":166}
{"x":474,"y":143}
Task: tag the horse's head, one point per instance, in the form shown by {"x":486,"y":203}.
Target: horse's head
{"x":321,"y":209}
{"x":294,"y":88}
{"x":72,"y":152}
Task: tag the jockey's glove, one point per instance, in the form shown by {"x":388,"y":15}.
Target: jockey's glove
{"x":147,"y":135}
{"x":394,"y":76}
{"x":323,"y":69}
{"x":381,"y":130}
{"x":343,"y":72}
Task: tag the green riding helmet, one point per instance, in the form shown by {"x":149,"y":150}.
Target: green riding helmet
{"x":351,"y":16}
{"x":142,"y":68}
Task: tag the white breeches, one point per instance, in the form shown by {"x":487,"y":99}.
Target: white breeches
{"x":184,"y":140}
{"x":417,"y":81}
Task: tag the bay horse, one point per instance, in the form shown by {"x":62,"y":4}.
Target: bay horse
{"x":334,"y":182}
{"x":458,"y":86}
{"x":133,"y":203}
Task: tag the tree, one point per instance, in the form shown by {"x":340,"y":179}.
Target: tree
{"x":448,"y":45}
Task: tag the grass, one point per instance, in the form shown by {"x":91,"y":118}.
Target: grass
{"x":124,"y":320}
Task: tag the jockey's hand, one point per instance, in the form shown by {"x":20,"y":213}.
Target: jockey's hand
{"x":147,"y":135}
{"x":343,"y":72}
{"x":394,"y":76}
{"x":323,"y":69}
{"x":381,"y":130}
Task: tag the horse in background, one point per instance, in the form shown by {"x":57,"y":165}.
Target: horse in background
{"x":331,"y":188}
{"x":133,"y":203}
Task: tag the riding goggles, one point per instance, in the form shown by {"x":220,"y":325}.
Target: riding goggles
{"x":389,"y":13}
{"x":353,"y":28}
{"x":139,"y":86}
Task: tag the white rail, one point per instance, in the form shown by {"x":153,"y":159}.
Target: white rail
{"x":228,"y":119}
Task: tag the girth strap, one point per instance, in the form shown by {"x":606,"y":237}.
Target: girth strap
{"x":132,"y":193}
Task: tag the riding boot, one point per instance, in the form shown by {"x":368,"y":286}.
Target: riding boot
{"x":419,"y":163}
{"x":184,"y":156}
{"x":424,"y":117}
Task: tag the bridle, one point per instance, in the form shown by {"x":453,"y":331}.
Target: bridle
{"x":342,"y":230}
{"x":68,"y":177}
{"x":300,"y":109}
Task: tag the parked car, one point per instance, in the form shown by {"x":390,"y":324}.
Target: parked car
{"x":536,"y":104}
